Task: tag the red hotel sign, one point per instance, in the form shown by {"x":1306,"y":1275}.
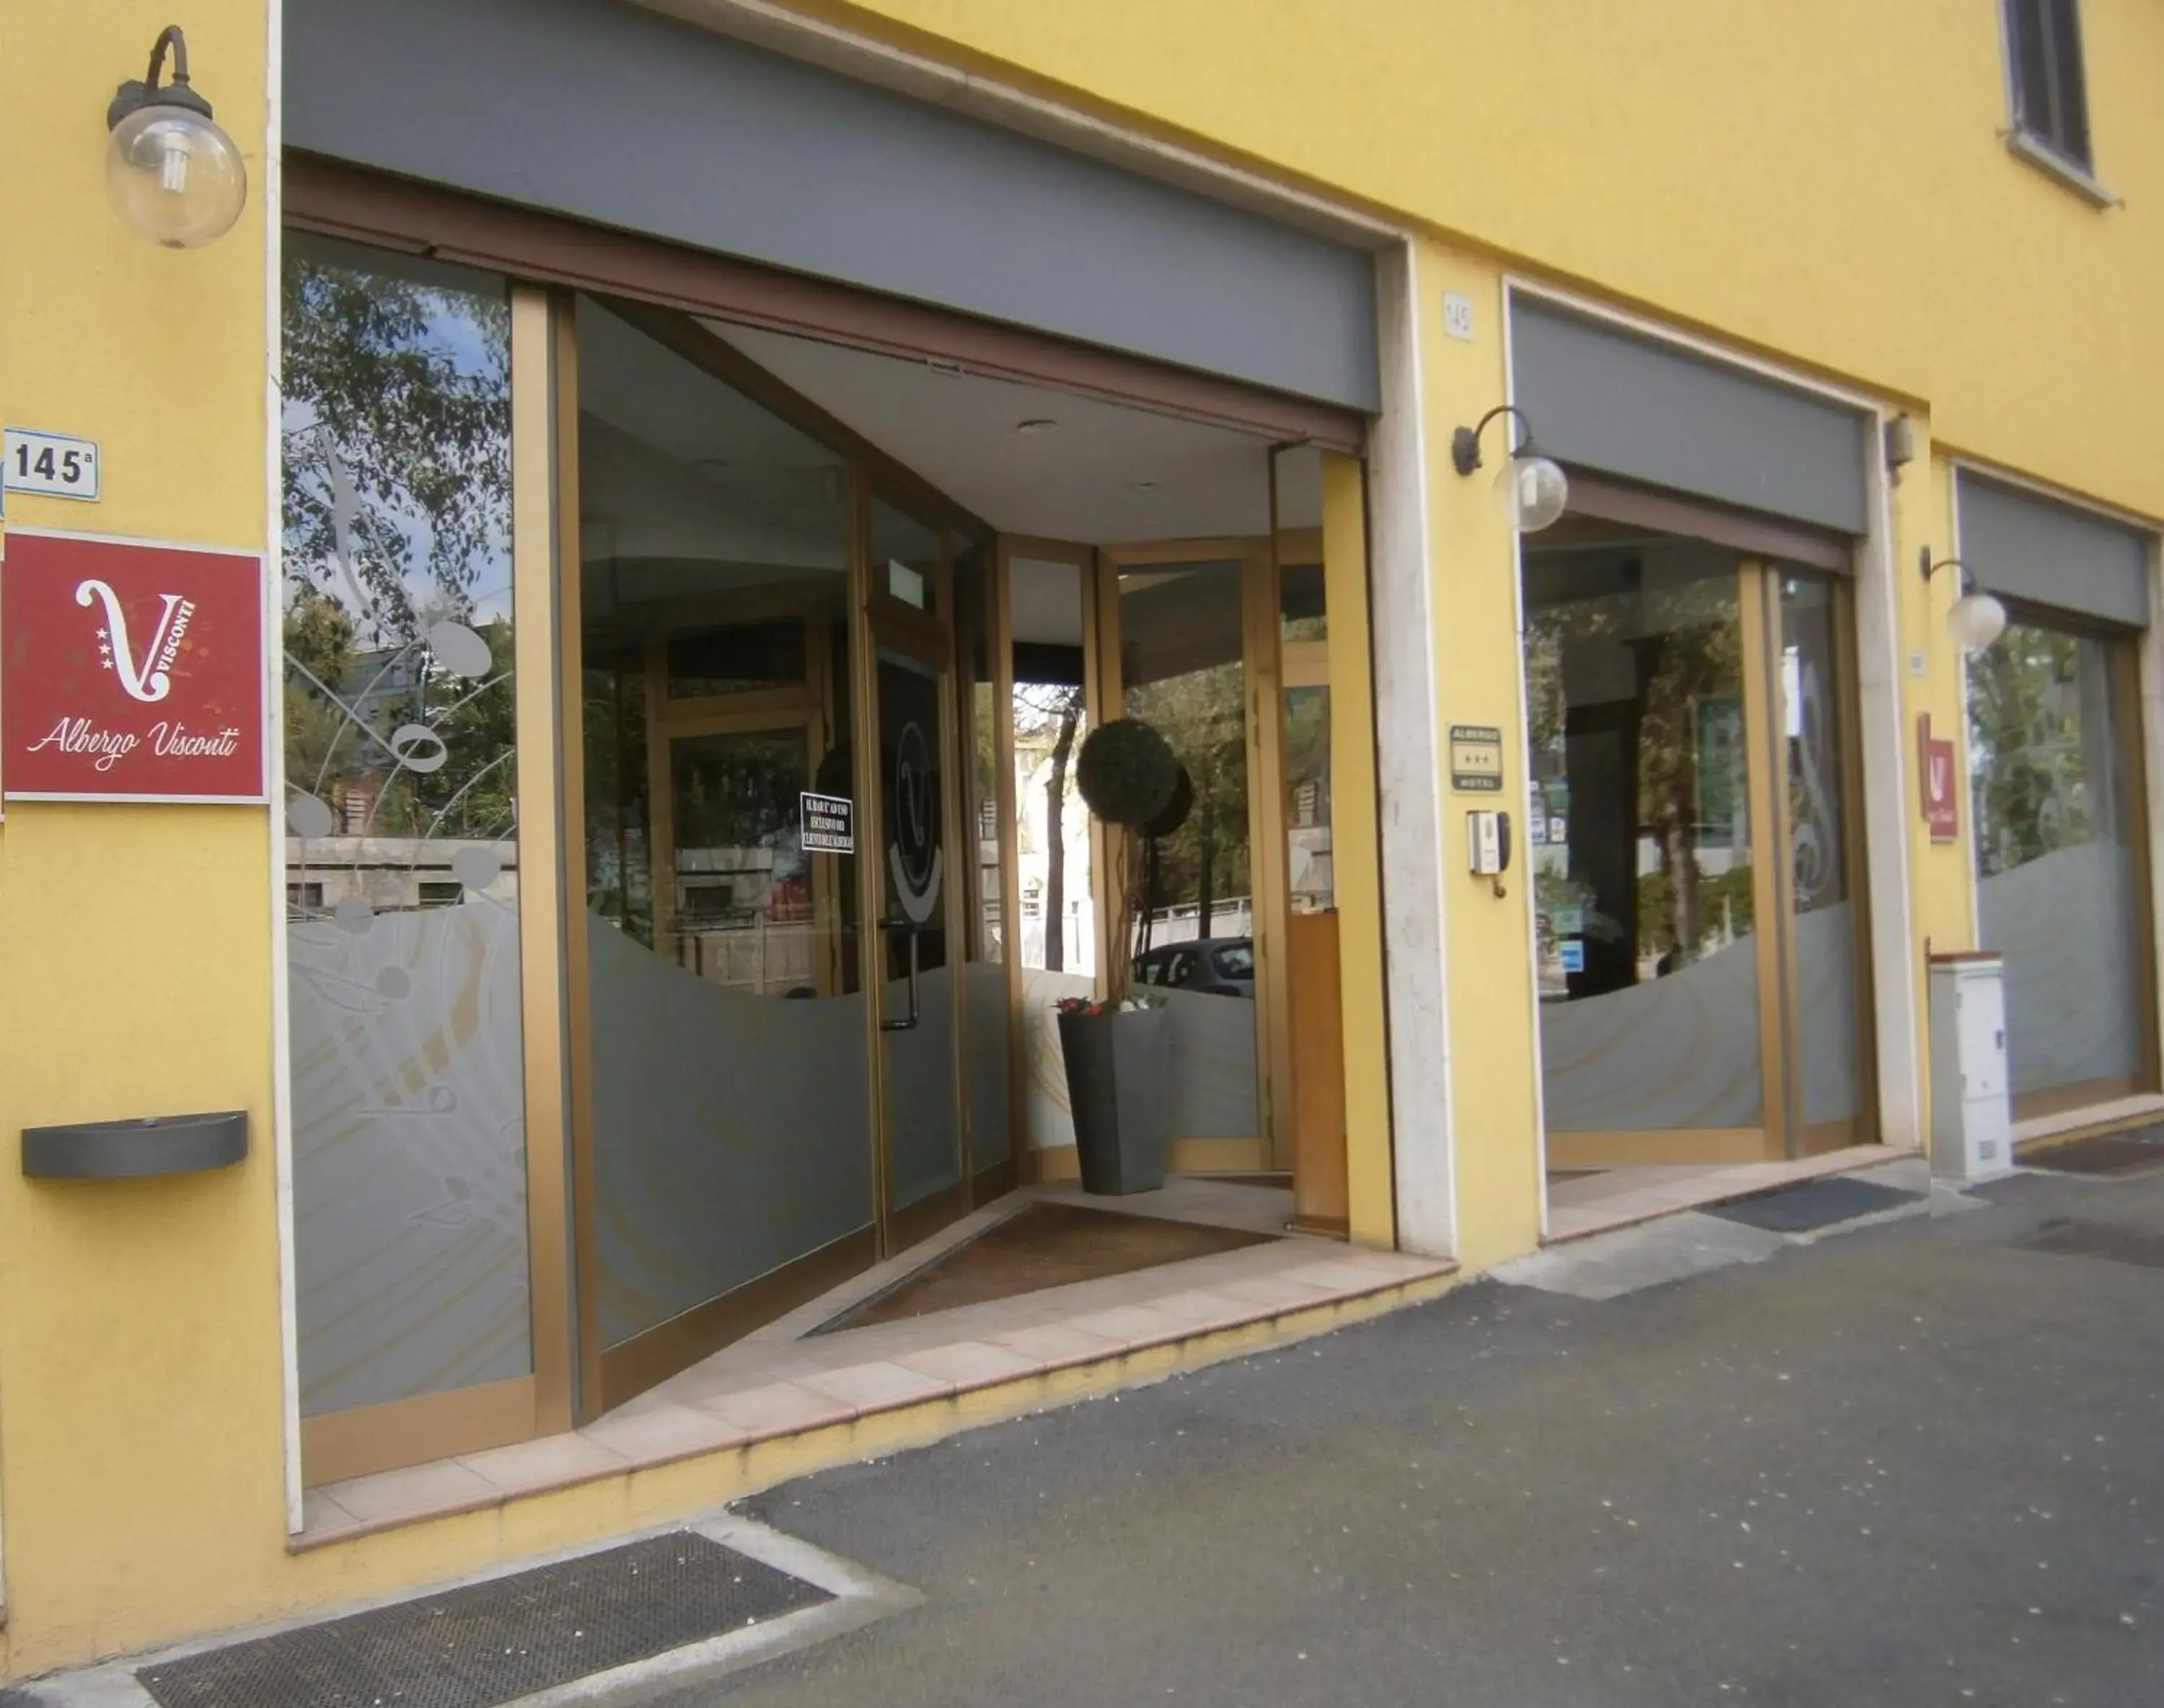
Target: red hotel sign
{"x":129,"y":671}
{"x":1941,"y":804}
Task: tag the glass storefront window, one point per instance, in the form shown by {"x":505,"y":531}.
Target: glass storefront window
{"x":1182,"y":665}
{"x":1640,"y":838}
{"x":402,"y":852}
{"x":2050,"y":756}
{"x":1183,"y":669}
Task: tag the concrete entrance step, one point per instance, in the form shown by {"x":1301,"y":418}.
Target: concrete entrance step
{"x":776,"y":1408}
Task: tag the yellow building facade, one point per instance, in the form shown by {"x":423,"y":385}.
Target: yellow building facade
{"x":1708,"y":254}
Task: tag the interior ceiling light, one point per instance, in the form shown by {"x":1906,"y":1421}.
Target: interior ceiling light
{"x":172,"y":175}
{"x":1976,"y":618}
{"x":1037,"y":426}
{"x":1530,"y":491}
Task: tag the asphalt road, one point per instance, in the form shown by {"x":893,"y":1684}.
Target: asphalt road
{"x":1917,"y":1463}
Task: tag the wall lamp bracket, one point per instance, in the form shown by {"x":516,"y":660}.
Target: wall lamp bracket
{"x":1465,"y":442}
{"x":132,"y":97}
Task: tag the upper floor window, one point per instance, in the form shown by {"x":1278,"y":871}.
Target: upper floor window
{"x":2051,"y":104}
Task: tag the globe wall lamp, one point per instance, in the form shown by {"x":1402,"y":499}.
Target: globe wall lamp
{"x":172,"y":175}
{"x":1976,"y":618}
{"x":1530,"y":489}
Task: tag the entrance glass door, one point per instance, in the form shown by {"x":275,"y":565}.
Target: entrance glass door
{"x":1181,"y":624}
{"x":1698,"y":940}
{"x":721,"y":1073}
{"x":2055,"y":715}
{"x":917,"y":875}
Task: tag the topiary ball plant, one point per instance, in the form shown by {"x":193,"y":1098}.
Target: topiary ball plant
{"x":1128,"y":776}
{"x":1127,"y":772}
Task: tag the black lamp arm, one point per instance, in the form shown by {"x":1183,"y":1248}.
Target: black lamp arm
{"x":168,"y":37}
{"x":1465,"y":442}
{"x":177,"y":92}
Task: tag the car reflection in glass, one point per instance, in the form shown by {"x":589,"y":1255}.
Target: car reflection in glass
{"x":1216,"y":966}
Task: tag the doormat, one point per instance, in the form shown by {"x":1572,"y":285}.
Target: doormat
{"x":1282,"y":1180}
{"x":2114,"y":1155}
{"x":1814,"y":1204}
{"x":1042,"y":1245}
{"x":2108,"y":1240}
{"x":493,"y":1642}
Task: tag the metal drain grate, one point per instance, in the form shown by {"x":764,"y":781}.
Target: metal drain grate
{"x":2108,"y":1240}
{"x":1814,"y":1204}
{"x":493,"y":1642}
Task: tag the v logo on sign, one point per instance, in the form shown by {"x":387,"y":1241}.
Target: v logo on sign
{"x":147,"y":679}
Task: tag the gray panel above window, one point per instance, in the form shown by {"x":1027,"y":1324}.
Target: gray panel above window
{"x":1603,"y":399}
{"x":607,"y":113}
{"x":2025,"y":547}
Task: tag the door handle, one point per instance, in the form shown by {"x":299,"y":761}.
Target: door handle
{"x":915,"y":1012}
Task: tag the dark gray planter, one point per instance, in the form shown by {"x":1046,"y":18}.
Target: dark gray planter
{"x":1119,"y":1087}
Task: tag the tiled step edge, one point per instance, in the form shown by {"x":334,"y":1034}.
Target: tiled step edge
{"x":1354,"y":1287}
{"x":1674,"y":1200}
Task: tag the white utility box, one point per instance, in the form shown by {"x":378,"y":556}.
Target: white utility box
{"x":1972,"y":1103}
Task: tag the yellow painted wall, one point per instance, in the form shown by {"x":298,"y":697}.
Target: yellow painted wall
{"x":1488,"y":937}
{"x":140,"y":1392}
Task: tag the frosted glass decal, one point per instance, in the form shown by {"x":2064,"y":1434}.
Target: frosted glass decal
{"x":1826,"y":979}
{"x":1675,"y":1052}
{"x":1213,"y":1066}
{"x":736,"y":1133}
{"x":2062,"y":923}
{"x":401,"y":867}
{"x":921,"y":1089}
{"x":409,"y":1152}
